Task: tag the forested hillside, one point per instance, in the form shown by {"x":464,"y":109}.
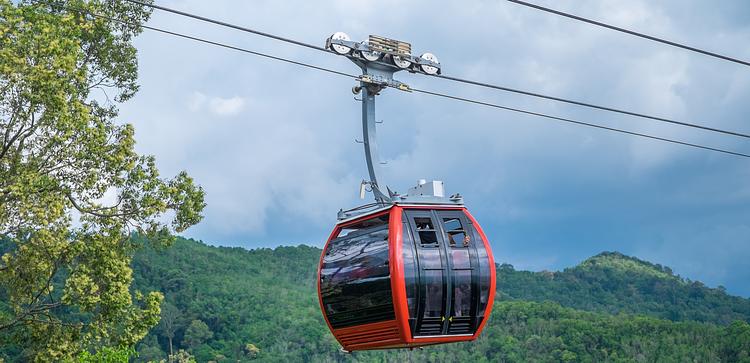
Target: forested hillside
{"x":611,"y":282}
{"x":227,"y":304}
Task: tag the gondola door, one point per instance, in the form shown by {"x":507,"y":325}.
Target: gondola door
{"x":446,"y":297}
{"x":432,"y":275}
{"x":460,"y":245}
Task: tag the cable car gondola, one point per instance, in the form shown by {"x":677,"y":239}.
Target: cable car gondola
{"x":408,"y":270}
{"x":405,"y":276}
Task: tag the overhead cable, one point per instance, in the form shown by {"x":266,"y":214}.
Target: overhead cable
{"x":589,"y":105}
{"x":328,"y":70}
{"x":455,"y":79}
{"x":229,"y":25}
{"x":631,"y":32}
{"x":576,"y":122}
{"x":223,"y":45}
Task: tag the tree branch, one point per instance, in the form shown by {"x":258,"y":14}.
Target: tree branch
{"x":95,"y":212}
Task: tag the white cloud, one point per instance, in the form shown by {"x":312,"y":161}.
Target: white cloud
{"x":227,"y":106}
{"x":216,"y":105}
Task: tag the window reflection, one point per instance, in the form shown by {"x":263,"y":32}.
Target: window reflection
{"x":430,"y":258}
{"x":460,"y":258}
{"x":410,"y":272}
{"x":484,"y":276}
{"x":355,"y":276}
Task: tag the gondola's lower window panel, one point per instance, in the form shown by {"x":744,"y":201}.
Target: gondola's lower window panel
{"x":355,"y":280}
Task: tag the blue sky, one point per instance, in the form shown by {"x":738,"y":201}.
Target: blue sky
{"x":273,"y":144}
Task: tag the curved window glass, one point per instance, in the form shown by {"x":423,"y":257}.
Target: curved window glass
{"x":484,"y":274}
{"x":355,"y":280}
{"x":410,"y":273}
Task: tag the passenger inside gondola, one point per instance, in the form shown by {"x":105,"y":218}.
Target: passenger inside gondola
{"x":449,"y":237}
{"x":463,"y":299}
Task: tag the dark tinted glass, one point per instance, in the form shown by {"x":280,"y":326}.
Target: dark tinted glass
{"x":355,"y":277}
{"x":423,"y":223}
{"x":410,"y":272}
{"x":433,"y":291}
{"x":460,"y":258}
{"x":426,"y":231}
{"x":461,"y":293}
{"x":430,"y":258}
{"x":484,"y":274}
{"x":358,"y":227}
{"x":428,"y":237}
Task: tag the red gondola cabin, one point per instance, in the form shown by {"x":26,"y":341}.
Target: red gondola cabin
{"x":406,"y":276}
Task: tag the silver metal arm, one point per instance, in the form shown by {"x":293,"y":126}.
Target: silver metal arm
{"x":369,"y":135}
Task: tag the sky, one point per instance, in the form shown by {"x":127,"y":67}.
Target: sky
{"x":273,"y":144}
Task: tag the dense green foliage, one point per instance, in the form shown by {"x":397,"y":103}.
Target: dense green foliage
{"x":261,"y":297}
{"x":107,"y":355}
{"x":613,"y":283}
{"x":72,"y":187}
{"x":261,"y":305}
{"x":230,"y":304}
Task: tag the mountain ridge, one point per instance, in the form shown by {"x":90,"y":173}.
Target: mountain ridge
{"x":265,"y":299}
{"x":614,"y":283}
{"x":618,"y":260}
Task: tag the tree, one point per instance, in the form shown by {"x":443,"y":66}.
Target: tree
{"x":197,"y":333}
{"x":736,"y":342}
{"x":168,"y":323}
{"x":251,"y":351}
{"x":64,"y":158}
{"x":149,"y":350}
{"x":107,"y":355}
{"x":180,"y":357}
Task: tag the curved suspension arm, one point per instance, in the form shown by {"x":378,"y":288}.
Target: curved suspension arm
{"x":369,"y":135}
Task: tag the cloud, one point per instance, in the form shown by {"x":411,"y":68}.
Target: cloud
{"x":216,"y":105}
{"x":549,"y":194}
{"x":228,"y":106}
